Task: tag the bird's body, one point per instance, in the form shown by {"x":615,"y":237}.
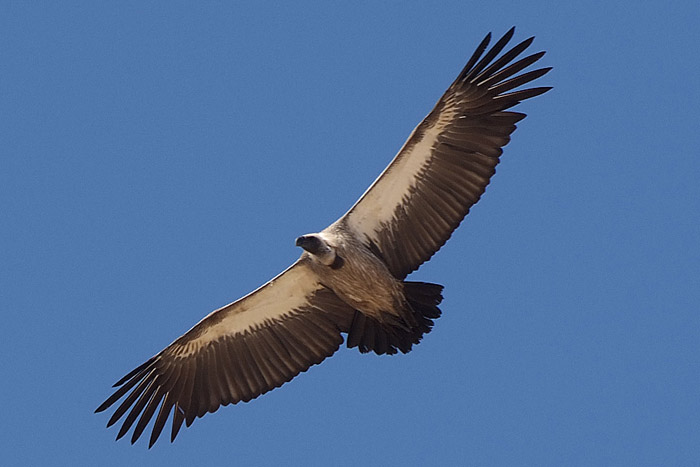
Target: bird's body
{"x":360,"y":278}
{"x":350,"y":279}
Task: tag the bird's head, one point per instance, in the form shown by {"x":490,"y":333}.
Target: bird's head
{"x":317,"y":247}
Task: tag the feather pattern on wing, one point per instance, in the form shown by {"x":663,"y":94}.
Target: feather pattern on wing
{"x":235,"y":354}
{"x":411,"y":210}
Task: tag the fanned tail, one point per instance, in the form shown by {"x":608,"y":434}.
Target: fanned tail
{"x":369,"y":335}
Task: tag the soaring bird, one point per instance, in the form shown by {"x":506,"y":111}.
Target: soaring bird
{"x":350,"y":278}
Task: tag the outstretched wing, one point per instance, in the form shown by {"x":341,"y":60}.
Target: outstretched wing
{"x":234,"y":354}
{"x":411,"y":210}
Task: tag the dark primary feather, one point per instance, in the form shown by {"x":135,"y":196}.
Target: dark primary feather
{"x":473,"y":126}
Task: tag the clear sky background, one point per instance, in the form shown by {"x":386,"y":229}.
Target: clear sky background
{"x":158,"y":161}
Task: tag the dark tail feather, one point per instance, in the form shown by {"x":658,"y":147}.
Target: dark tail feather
{"x":368,"y":334}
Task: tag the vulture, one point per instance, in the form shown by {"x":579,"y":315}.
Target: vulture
{"x":350,"y":277}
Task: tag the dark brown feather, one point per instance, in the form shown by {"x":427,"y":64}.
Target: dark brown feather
{"x":473,"y":127}
{"x":229,"y":370}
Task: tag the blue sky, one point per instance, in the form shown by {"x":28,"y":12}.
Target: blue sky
{"x":158,"y":161}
